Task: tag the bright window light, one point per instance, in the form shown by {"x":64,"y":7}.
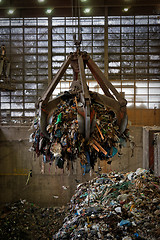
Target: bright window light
{"x":10,"y":11}
{"x":87,"y":10}
{"x":83,"y":0}
{"x":41,"y":1}
{"x":49,"y":11}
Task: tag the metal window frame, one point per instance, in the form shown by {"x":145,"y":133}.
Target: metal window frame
{"x":45,"y":79}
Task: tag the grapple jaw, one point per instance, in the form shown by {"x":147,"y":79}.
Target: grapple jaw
{"x":111,"y":98}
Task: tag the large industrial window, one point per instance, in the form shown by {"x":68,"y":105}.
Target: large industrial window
{"x":26,"y":42}
{"x":127,"y":49}
{"x":134,"y":58}
{"x":92,"y":29}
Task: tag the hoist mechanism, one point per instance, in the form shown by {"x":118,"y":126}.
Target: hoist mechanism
{"x":111,"y":99}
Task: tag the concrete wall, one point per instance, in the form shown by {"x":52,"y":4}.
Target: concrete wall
{"x":144,"y":117}
{"x":157,"y":154}
{"x":16,"y":161}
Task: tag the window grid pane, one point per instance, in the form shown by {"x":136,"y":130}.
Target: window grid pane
{"x":133,"y":58}
{"x":134,"y":55}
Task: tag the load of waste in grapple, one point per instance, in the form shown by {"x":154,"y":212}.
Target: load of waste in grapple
{"x":67,"y":143}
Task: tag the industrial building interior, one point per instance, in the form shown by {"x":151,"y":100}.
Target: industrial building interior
{"x":91,"y":68}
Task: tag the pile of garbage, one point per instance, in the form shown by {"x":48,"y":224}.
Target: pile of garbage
{"x":66,"y":142}
{"x":27,"y":221}
{"x":114,"y":206}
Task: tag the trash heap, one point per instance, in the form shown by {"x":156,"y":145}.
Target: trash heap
{"x":26,"y":221}
{"x":114,"y":206}
{"x":65,"y":142}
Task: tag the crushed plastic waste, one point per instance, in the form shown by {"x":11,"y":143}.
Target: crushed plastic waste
{"x":26,"y":221}
{"x":109,"y":206}
{"x":113,"y":206}
{"x":66,"y":141}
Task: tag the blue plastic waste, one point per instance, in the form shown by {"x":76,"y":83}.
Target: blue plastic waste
{"x":125,"y":222}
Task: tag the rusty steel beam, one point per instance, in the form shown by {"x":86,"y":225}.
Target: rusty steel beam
{"x":104,"y":83}
{"x":86,"y":96}
{"x":83,"y":78}
{"x":45,"y":98}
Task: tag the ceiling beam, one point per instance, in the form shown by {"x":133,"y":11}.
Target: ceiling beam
{"x":31,"y":8}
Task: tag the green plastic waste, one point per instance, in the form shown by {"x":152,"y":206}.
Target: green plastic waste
{"x":59,"y":118}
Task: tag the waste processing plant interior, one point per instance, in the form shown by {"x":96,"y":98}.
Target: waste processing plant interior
{"x":80,"y":119}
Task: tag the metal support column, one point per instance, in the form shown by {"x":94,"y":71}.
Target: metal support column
{"x":49,"y":49}
{"x":106,"y":44}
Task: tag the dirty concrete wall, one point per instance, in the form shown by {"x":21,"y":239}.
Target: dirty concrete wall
{"x":47,"y":189}
{"x":139,"y":117}
{"x":130,"y":160}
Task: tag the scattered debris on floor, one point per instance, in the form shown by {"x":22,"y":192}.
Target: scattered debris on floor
{"x":26,"y":221}
{"x":114,"y":206}
{"x":65,"y":141}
